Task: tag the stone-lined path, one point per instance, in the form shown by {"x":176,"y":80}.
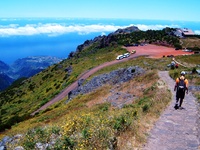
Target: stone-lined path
{"x":176,"y":129}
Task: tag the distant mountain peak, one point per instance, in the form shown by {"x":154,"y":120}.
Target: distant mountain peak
{"x":3,"y":67}
{"x":127,"y":30}
{"x":24,"y":67}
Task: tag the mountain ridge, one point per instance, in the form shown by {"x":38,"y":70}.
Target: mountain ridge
{"x":24,"y":67}
{"x":111,"y":125}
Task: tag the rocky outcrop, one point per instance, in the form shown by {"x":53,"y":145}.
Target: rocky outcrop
{"x":3,"y":142}
{"x":11,"y":141}
{"x":103,"y":41}
{"x":114,"y":77}
{"x":119,"y":99}
{"x":127,"y":30}
{"x":84,"y":45}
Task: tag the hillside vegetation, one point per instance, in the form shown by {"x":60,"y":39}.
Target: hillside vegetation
{"x":83,"y":122}
{"x":191,"y":43}
{"x":34,"y":92}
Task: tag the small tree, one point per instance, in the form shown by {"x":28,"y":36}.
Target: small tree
{"x":177,"y":46}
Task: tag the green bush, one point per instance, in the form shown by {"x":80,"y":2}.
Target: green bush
{"x":119,"y":123}
{"x":145,"y":108}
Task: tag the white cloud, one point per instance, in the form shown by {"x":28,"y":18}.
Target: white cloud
{"x":57,"y":29}
{"x":53,"y":29}
{"x":197,"y":32}
{"x":154,"y":27}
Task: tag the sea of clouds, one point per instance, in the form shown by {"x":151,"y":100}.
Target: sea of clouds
{"x":55,"y":29}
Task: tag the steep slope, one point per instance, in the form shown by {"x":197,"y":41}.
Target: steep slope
{"x":34,"y":92}
{"x":5,"y":81}
{"x":3,"y":67}
{"x":73,"y":119}
{"x":19,"y":102}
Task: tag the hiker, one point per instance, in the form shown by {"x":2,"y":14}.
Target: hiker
{"x":181,"y":86}
{"x":173,"y":65}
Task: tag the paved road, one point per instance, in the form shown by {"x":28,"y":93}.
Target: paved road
{"x":176,"y":129}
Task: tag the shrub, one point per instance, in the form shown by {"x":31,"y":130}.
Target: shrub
{"x":85,"y":134}
{"x":44,"y":101}
{"x":119,"y":123}
{"x":194,"y":70}
{"x":145,"y":108}
{"x":58,"y":86}
{"x":48,"y":89}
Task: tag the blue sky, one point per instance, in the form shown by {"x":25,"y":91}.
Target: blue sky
{"x":186,"y":10}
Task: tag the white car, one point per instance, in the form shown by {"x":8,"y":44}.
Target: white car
{"x":126,"y":55}
{"x":120,"y":57}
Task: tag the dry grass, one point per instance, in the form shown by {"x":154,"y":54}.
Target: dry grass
{"x":190,"y":42}
{"x":137,"y":136}
{"x":98,"y":123}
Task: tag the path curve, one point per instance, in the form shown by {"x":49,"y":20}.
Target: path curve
{"x":175,"y":129}
{"x":149,"y":50}
{"x":85,"y":75}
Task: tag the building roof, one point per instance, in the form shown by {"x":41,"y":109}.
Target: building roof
{"x":186,"y":31}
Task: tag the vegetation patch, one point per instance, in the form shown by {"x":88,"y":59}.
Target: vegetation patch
{"x":89,"y":121}
{"x":102,"y":126}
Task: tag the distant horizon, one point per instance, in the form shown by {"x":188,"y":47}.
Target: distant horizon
{"x":25,"y":37}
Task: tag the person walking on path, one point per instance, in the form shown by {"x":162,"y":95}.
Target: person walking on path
{"x":181,"y":87}
{"x":175,"y":129}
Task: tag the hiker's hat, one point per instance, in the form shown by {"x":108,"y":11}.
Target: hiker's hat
{"x":182,"y":72}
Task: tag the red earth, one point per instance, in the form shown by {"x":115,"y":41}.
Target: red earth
{"x":152,"y":51}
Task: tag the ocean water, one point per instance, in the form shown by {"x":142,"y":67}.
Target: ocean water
{"x":57,"y":37}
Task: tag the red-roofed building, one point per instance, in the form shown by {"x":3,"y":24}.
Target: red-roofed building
{"x":184,"y":32}
{"x":187,"y":32}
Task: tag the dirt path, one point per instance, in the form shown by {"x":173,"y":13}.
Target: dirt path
{"x":176,"y":129}
{"x":150,"y":50}
{"x":85,"y":75}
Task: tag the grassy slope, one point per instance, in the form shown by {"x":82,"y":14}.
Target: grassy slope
{"x":18,"y":103}
{"x":76,"y":117}
{"x":190,"y":42}
{"x":131,"y":122}
{"x":39,"y":89}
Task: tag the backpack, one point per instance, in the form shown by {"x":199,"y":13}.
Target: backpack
{"x":181,"y":85}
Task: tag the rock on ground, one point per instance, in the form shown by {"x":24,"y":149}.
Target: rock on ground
{"x":114,"y":77}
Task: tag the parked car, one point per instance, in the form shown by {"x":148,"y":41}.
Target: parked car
{"x":120,"y":57}
{"x":126,"y":55}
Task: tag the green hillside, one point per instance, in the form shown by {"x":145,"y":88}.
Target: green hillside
{"x":83,"y":122}
{"x":19,"y":102}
